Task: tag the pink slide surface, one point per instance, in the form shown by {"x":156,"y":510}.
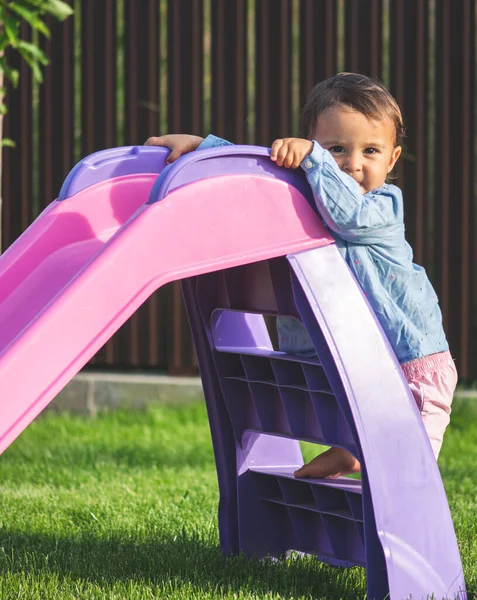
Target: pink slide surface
{"x":87,"y":263}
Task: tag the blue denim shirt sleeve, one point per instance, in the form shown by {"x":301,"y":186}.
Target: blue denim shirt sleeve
{"x":212,"y":141}
{"x":370,"y":218}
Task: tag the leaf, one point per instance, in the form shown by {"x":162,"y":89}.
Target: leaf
{"x":58,"y":9}
{"x":8,"y":143}
{"x":41,"y":27}
{"x":33,"y":64}
{"x":30,"y":3}
{"x":12,"y":30}
{"x":26,"y":14}
{"x":33,"y":50}
{"x":4,"y":43}
{"x":31,"y":11}
{"x":36,"y":4}
{"x":30,"y":17}
{"x":10,"y":73}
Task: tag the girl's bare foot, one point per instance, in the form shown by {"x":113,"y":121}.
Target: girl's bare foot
{"x":332,"y":463}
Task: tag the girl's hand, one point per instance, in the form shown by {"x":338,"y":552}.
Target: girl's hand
{"x":289,"y":152}
{"x":178,"y":144}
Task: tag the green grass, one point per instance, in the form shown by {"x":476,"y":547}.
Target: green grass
{"x":124,"y":506}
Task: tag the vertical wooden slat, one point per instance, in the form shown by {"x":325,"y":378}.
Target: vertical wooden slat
{"x":17,"y":165}
{"x":363,"y":36}
{"x":442,"y":171}
{"x":408,"y":83}
{"x":98,"y":47}
{"x":463,"y":225}
{"x":318,"y":41}
{"x":56,"y":138}
{"x":417,"y":96}
{"x":10,"y":180}
{"x":185,"y":69}
{"x":152,"y":320}
{"x":141,"y":47}
{"x":98,"y":98}
{"x":273,"y":74}
{"x":185,"y":114}
{"x":229,"y":76}
{"x":400,"y":36}
{"x":455,"y":64}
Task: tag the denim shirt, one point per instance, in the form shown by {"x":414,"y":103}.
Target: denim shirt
{"x":369,"y":233}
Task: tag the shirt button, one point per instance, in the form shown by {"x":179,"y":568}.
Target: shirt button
{"x":308,"y":164}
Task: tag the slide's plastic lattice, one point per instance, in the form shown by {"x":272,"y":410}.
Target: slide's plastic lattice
{"x":262,"y":401}
{"x":275,"y":395}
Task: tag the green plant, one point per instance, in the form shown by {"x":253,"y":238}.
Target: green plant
{"x":12,"y":14}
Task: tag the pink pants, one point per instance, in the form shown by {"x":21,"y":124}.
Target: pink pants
{"x":433,"y":380}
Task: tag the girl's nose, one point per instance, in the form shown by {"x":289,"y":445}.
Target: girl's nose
{"x":353,"y":163}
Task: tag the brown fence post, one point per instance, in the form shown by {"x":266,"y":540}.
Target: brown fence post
{"x":454,"y":177}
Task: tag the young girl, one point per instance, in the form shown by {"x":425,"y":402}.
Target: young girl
{"x":353,"y":129}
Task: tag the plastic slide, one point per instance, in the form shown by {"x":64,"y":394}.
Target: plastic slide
{"x":99,"y":251}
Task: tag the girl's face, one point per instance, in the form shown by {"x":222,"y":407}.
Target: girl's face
{"x":362,"y":147}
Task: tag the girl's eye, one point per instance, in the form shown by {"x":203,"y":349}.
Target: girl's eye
{"x":370,"y":151}
{"x":336,"y":149}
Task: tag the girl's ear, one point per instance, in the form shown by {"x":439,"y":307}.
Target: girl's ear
{"x":396,"y":153}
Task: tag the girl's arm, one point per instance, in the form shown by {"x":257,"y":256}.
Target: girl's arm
{"x":182,"y":143}
{"x":178,"y":144}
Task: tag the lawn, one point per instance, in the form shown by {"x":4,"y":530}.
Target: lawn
{"x":124,"y":506}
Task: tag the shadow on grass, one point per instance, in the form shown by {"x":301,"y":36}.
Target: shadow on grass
{"x":182,"y":560}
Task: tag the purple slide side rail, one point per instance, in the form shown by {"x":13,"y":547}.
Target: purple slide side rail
{"x":226,"y":160}
{"x":111,"y":163}
{"x":401,"y":472}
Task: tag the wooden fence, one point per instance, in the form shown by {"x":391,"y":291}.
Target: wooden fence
{"x":122,"y":70}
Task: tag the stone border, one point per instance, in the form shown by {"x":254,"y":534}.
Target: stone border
{"x":90,"y":392}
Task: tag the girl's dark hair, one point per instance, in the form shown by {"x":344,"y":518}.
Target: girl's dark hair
{"x":361,"y":93}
